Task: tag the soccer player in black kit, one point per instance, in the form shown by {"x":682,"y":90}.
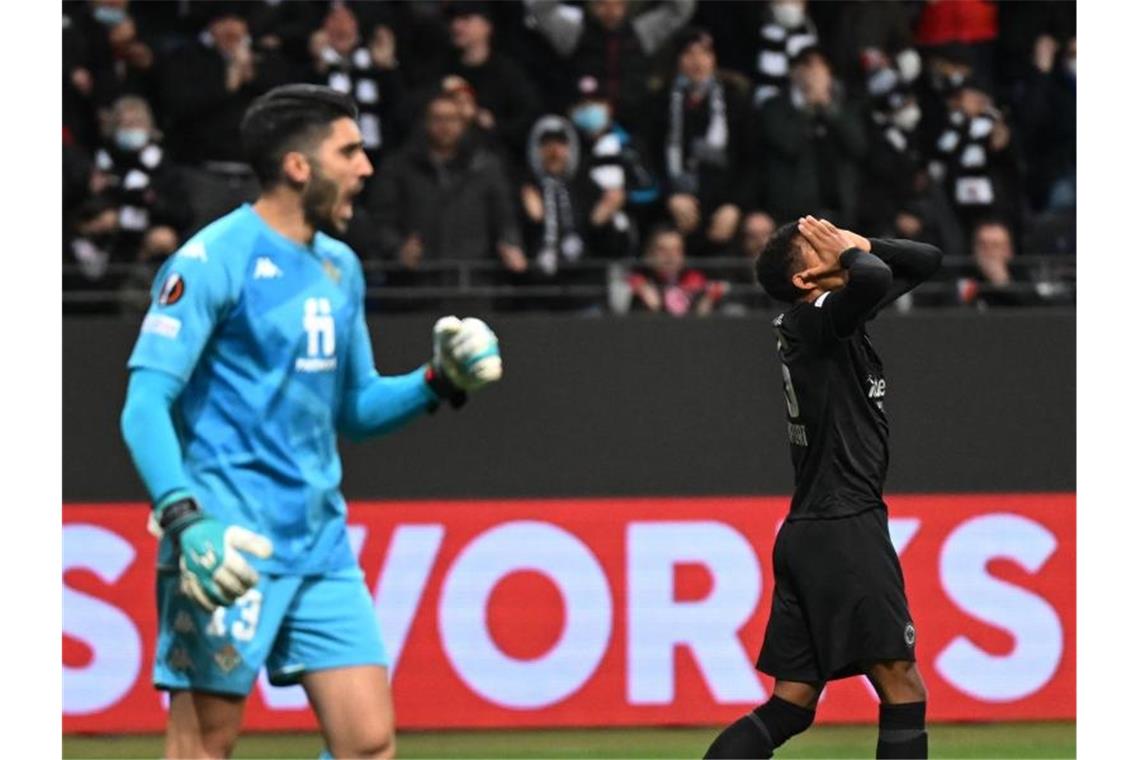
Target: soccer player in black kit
{"x":839,"y":607}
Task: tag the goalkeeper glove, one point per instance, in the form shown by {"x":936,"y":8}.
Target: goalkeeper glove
{"x":465,"y":358}
{"x":213,"y":572}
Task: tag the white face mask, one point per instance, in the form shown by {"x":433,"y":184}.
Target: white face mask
{"x":788,"y":15}
{"x":907,"y":117}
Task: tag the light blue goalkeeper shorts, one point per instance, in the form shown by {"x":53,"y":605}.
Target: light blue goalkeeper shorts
{"x":288,"y":624}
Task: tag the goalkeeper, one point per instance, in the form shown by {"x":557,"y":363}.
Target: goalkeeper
{"x":253,"y":356}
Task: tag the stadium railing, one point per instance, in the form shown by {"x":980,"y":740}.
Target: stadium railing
{"x":1050,"y":280}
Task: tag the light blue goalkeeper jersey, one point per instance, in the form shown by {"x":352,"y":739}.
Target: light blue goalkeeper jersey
{"x":267,"y":334}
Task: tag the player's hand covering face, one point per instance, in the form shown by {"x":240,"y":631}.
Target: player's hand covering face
{"x":824,"y":244}
{"x":337,"y":171}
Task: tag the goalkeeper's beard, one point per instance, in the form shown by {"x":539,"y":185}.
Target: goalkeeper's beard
{"x":319,"y":202}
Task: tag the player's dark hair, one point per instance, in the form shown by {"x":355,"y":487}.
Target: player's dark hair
{"x":288,"y":118}
{"x":775,"y":264}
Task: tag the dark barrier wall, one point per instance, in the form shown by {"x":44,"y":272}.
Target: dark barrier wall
{"x":655,"y":406}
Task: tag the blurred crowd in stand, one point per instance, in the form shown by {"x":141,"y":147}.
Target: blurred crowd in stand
{"x":607,"y":155}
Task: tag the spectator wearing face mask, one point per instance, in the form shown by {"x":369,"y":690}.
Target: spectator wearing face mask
{"x":132,"y":172}
{"x":701,"y":143}
{"x":365,"y":69}
{"x":104,"y":59}
{"x":615,"y":160}
{"x":664,"y":284}
{"x":611,"y":46}
{"x":811,"y":146}
{"x":567,"y":216}
{"x":784,"y":34}
{"x":894,"y":157}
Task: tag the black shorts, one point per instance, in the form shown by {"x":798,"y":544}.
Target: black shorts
{"x":839,"y":600}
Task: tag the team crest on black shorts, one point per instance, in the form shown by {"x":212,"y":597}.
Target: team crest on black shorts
{"x":909,"y":635}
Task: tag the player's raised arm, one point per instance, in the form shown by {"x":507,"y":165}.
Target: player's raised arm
{"x":911,"y":263}
{"x":465,"y":357}
{"x":868,"y":277}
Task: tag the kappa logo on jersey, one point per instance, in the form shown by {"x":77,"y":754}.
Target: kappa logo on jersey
{"x":172,"y":290}
{"x":193,"y":250}
{"x":321,"y":328}
{"x":265,"y":269}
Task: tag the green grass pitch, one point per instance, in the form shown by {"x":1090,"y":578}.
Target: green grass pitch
{"x":992,"y":740}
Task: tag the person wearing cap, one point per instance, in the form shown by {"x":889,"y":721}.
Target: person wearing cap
{"x":567,"y":216}
{"x":616,"y":160}
{"x":700,"y":141}
{"x":811,"y":142}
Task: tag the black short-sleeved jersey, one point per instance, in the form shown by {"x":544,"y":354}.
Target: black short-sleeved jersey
{"x":834,"y":383}
{"x":835,"y":391}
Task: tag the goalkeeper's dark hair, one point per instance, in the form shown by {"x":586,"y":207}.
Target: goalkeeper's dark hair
{"x":288,"y":118}
{"x":777,"y":262}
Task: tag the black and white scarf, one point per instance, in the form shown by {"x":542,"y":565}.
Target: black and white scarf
{"x":709,"y":149}
{"x":131,"y":175}
{"x":778,"y":46}
{"x":358,"y":76}
{"x":560,"y":239}
{"x":963,"y":153}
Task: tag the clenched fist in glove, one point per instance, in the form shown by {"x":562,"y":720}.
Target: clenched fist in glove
{"x":465,"y":358}
{"x":213,"y":570}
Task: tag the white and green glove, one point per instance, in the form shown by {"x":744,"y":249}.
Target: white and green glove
{"x":213,"y":571}
{"x":465,"y":358}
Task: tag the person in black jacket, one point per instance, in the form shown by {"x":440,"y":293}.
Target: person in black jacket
{"x":205,"y":89}
{"x":443,"y":198}
{"x":365,"y":69}
{"x":506,"y":100}
{"x":1047,"y":115}
{"x":701,"y":140}
{"x":811,"y":145}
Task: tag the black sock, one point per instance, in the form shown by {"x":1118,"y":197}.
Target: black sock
{"x":759,"y":732}
{"x":902,"y":731}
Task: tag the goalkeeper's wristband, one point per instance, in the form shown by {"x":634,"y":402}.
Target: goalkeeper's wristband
{"x":176,"y":512}
{"x":442,"y":386}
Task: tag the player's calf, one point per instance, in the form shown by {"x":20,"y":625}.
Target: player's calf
{"x":203,"y":725}
{"x":902,"y":713}
{"x":761,"y":731}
